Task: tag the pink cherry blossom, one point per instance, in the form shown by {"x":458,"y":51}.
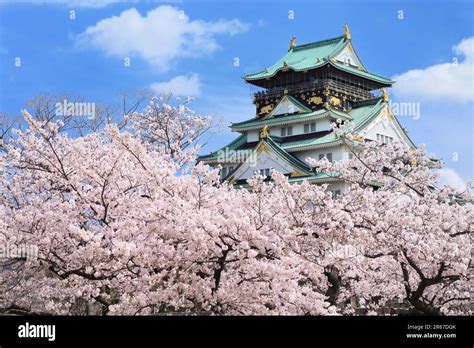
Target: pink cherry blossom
{"x":125,"y":222}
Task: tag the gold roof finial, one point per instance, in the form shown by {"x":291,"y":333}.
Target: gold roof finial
{"x":264,"y":133}
{"x":292,"y":42}
{"x":385,"y":95}
{"x":347,"y":32}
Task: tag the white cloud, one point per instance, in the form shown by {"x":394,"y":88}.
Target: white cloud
{"x":452,"y":81}
{"x":186,"y":86}
{"x":449,"y":177}
{"x":159,"y":37}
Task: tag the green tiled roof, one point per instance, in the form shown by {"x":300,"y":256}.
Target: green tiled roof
{"x":362,"y":73}
{"x":315,"y":176}
{"x":363,"y":115}
{"x":328,"y":138}
{"x":312,"y":56}
{"x":302,"y":57}
{"x":254,"y":122}
{"x":294,"y":161}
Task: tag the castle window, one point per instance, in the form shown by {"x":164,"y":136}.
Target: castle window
{"x":286,"y":131}
{"x":328,"y":156}
{"x":310,"y":127}
{"x":265,"y":172}
{"x":384,"y":139}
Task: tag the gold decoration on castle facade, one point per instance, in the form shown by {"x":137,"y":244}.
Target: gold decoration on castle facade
{"x":264,"y":133}
{"x":315,"y":100}
{"x":335,"y":101}
{"x":266,"y":109}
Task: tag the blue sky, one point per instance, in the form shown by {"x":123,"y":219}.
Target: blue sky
{"x":429,"y":51}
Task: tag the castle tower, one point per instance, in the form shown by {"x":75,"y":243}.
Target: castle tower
{"x":310,"y":87}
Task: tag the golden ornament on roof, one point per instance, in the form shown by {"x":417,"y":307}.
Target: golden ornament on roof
{"x":385,"y":95}
{"x":292,"y":42}
{"x":347,"y":32}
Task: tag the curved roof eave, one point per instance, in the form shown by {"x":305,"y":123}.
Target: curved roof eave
{"x":361,"y":73}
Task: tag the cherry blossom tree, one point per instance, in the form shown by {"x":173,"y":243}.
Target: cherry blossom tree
{"x":173,"y":129}
{"x":125,"y":222}
{"x":412,"y":239}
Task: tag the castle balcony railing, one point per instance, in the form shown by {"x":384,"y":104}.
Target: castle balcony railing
{"x":356,"y":91}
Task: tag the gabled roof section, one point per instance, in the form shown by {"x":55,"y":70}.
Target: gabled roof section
{"x":288,"y":105}
{"x":294,"y":161}
{"x":315,"y":55}
{"x":268,"y":144}
{"x":362,"y":115}
{"x":349,"y":56}
{"x":386,"y":112}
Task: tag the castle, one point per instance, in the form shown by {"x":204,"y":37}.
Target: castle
{"x":301,"y":95}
